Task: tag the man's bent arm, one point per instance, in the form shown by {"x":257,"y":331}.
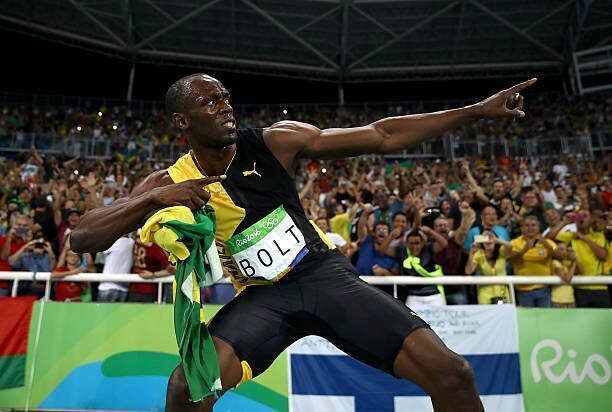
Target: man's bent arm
{"x":101,"y":227}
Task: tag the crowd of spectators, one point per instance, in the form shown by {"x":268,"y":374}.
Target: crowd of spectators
{"x":492,"y":216}
{"x":147,"y":134}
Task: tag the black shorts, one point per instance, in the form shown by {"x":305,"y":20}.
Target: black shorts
{"x":324,"y":297}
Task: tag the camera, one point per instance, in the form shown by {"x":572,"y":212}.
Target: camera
{"x":39,"y":245}
{"x":481,"y":239}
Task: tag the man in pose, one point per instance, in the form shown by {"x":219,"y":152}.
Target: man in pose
{"x":312,"y":289}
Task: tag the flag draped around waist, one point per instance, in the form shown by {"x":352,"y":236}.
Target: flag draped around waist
{"x":190,"y":240}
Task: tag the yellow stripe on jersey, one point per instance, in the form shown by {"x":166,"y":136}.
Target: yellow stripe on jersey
{"x":229,"y":215}
{"x":322,"y":235}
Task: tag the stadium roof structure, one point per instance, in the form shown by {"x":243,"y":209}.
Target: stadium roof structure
{"x":329,"y":40}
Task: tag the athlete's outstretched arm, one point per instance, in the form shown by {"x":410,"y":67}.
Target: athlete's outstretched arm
{"x":289,"y":140}
{"x":101,"y":227}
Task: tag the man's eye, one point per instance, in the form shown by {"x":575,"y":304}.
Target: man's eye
{"x":210,"y":103}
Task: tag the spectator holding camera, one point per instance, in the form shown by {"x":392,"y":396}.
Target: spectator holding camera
{"x":34,"y":256}
{"x":488,"y":222}
{"x":531,"y":255}
{"x":485,"y":259}
{"x":591,"y":248}
{"x":17,"y":236}
{"x":43,"y":219}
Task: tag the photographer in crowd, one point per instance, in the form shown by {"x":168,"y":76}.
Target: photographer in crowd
{"x":485,"y":259}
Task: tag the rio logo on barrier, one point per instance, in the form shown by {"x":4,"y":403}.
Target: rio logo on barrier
{"x":599,"y":375}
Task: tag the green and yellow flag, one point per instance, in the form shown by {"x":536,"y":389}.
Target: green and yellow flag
{"x":190,"y":240}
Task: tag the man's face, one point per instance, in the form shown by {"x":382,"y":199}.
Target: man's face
{"x":506,"y":205}
{"x":73,"y":219}
{"x":552,"y":217}
{"x":441,"y":226}
{"x":381,"y":232}
{"x":489,"y":217}
{"x":547,"y":185}
{"x":22,"y":228}
{"x":415,"y":245}
{"x":322,"y":223}
{"x":498,"y":189}
{"x":208,"y":116}
{"x":530,"y":227}
{"x":530,"y":199}
{"x":562,"y":250}
{"x":418,"y":190}
{"x":338,"y":210}
{"x":401,"y":222}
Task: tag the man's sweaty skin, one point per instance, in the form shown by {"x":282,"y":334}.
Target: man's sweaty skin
{"x":200,"y":109}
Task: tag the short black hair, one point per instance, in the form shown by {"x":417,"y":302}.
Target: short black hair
{"x":175,"y":96}
{"x":366,"y":196}
{"x":414,"y":233}
{"x":381,"y":222}
{"x":399,"y":214}
{"x":497,"y":213}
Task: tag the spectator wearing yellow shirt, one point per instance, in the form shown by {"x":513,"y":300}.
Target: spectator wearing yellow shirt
{"x":485,"y":259}
{"x":531,"y":255}
{"x":591,"y":252}
{"x":566,"y":267}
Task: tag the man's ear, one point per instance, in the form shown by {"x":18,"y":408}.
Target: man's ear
{"x":179,"y":120}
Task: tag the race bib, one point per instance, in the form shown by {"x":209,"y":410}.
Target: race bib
{"x":269,"y":248}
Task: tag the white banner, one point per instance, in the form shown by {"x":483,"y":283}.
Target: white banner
{"x":323,"y":378}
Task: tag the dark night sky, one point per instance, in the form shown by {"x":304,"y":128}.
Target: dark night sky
{"x":35,"y":65}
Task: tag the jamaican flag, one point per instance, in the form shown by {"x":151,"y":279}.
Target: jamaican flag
{"x":15,"y":315}
{"x":190,"y":240}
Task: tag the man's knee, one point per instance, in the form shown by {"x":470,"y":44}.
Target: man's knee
{"x":456,"y":373}
{"x":177,"y":384}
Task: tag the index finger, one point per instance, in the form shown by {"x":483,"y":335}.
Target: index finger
{"x":205,"y":181}
{"x":521,"y":86}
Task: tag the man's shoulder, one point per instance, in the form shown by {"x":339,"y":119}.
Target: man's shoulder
{"x":501,"y":231}
{"x":518,"y":240}
{"x":598,"y":237}
{"x":288,"y":129}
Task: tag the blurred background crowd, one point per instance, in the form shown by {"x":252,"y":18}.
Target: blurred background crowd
{"x":90,"y":130}
{"x":491,"y":215}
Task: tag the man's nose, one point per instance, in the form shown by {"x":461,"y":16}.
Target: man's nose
{"x":227,"y":108}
